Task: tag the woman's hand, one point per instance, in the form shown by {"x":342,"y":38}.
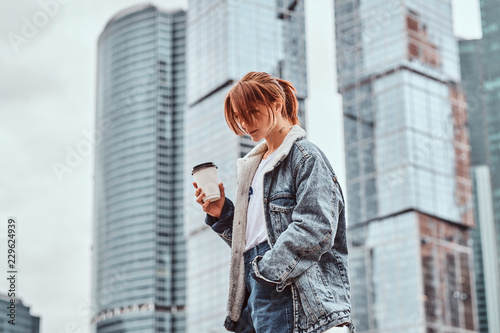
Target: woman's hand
{"x":213,"y":208}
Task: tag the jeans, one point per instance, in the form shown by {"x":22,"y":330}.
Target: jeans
{"x":266,"y":310}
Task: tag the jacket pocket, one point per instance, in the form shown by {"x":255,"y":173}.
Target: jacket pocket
{"x":280,"y":211}
{"x":312,"y":295}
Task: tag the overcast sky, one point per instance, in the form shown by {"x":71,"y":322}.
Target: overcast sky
{"x":47,"y":97}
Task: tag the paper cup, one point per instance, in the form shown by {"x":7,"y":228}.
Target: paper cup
{"x":205,"y":176}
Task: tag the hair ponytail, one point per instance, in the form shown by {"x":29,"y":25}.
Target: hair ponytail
{"x":291,"y":106}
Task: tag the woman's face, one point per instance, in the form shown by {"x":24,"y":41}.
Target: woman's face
{"x":262,"y":124}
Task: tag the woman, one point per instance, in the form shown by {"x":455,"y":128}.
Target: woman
{"x":287,"y":228}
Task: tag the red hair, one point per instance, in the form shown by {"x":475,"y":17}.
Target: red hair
{"x":259,"y":88}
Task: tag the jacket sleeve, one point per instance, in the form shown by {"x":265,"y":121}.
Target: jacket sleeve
{"x":223,"y":225}
{"x":312,"y":231}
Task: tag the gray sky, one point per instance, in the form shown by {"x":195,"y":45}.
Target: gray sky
{"x":47,"y":97}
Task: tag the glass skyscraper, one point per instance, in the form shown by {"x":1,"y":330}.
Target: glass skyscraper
{"x":409,"y":190}
{"x":472,"y":81}
{"x":227,"y":39}
{"x":479,"y":74}
{"x":490,"y":55}
{"x":472,"y":73}
{"x":24,"y":321}
{"x":485,"y":263}
{"x":139,"y":255}
{"x":485,"y":249}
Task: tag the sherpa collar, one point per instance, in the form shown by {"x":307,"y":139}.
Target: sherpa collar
{"x":295,"y":133}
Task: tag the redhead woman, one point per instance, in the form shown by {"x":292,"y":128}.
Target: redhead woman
{"x":287,"y":227}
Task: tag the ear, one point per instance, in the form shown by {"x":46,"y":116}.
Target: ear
{"x":278,"y":106}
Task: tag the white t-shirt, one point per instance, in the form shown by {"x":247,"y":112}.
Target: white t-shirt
{"x":256,"y":221}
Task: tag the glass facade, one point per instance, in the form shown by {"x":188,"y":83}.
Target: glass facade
{"x":407,"y":162}
{"x":490,"y":49}
{"x":485,"y":249}
{"x":139,"y":252}
{"x":24,"y":322}
{"x":227,"y":39}
{"x":473,"y":83}
{"x":480,"y":76}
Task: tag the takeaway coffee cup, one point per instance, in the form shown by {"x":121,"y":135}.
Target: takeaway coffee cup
{"x":205,"y":175}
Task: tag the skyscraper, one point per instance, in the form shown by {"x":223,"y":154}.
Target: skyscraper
{"x":472,"y":81}
{"x":472,"y":72}
{"x":22,"y":321}
{"x":407,"y":159}
{"x":490,"y":47}
{"x":139,"y":245}
{"x":484,"y":234}
{"x":227,"y":39}
{"x":485,"y":248}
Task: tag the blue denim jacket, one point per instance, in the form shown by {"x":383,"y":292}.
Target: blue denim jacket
{"x":306,"y":228}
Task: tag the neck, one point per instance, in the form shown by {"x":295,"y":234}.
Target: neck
{"x":276,"y":135}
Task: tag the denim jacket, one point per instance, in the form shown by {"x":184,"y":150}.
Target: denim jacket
{"x":306,"y":229}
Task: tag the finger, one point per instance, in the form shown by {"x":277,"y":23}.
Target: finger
{"x":221,"y":188}
{"x":205,"y":205}
{"x":195,"y":185}
{"x":197,"y":192}
{"x":199,"y":199}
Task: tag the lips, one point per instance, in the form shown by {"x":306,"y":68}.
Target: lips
{"x":252,"y":132}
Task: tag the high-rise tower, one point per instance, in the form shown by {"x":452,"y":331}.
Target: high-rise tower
{"x":490,"y":56}
{"x":472,"y":81}
{"x":21,"y":321}
{"x":138,"y":242}
{"x":227,"y":39}
{"x":407,"y":161}
{"x":479,"y":74}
